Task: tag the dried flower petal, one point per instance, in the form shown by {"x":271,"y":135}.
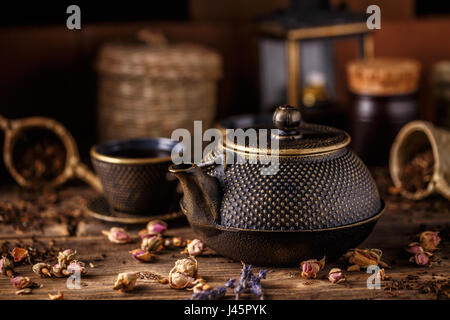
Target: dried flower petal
{"x":142,"y":255}
{"x":421,"y":259}
{"x":117,"y":235}
{"x":152,"y":244}
{"x":64,"y":257}
{"x":429,"y":240}
{"x":310,"y":268}
{"x":76,"y":266}
{"x":6,"y":267}
{"x":381,"y":274}
{"x":42,"y":269}
{"x":178,"y":280}
{"x":209,"y":293}
{"x":24,"y":291}
{"x":57,"y":296}
{"x":195,"y":247}
{"x":178,"y":242}
{"x":353,"y":267}
{"x":60,"y":270}
{"x":156,"y":227}
{"x":414,"y":248}
{"x":22,"y":282}
{"x":365,"y":257}
{"x":336,"y":276}
{"x":125,"y":281}
{"x":187,"y":266}
{"x":19,"y":254}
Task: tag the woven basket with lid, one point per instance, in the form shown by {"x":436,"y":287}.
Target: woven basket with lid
{"x":148,"y":87}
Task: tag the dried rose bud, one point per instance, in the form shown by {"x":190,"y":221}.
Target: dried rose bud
{"x":60,"y":270}
{"x":195,"y":247}
{"x":117,"y":235}
{"x":429,"y":240}
{"x":125,"y":282}
{"x":365,"y":257}
{"x":178,"y":242}
{"x":421,"y":259}
{"x":178,"y":280}
{"x":336,"y":276}
{"x":310,"y":268}
{"x":152,"y":244}
{"x":64,"y":257}
{"x":187,"y":266}
{"x":6,"y":267}
{"x":42,"y":269}
{"x":76,"y":266}
{"x":19,"y":254}
{"x":57,"y":296}
{"x":22,"y":282}
{"x":142,"y":255}
{"x":156,"y":227}
{"x":414,"y":248}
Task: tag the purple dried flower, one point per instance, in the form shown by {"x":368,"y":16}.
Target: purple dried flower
{"x":210,"y":294}
{"x":230,"y":283}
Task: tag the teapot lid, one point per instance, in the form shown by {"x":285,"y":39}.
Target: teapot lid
{"x":289,"y":134}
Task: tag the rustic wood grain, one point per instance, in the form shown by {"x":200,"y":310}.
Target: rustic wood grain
{"x":402,"y":221}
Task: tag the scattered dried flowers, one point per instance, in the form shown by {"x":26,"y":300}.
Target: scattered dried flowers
{"x":19,"y":254}
{"x":58,"y":296}
{"x":194,"y":247}
{"x":6,"y":267}
{"x":152,"y":244}
{"x":362,"y":258}
{"x":336,"y":276}
{"x":23,"y":282}
{"x":42,"y":269}
{"x":125,"y":281}
{"x":117,"y":235}
{"x":248,"y":282}
{"x":142,"y":255}
{"x":310,"y":268}
{"x":429,"y":240}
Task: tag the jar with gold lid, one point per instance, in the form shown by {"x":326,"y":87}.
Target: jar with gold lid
{"x":384,"y":92}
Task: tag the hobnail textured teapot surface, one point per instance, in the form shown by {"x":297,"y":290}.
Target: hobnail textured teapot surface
{"x":320,"y":183}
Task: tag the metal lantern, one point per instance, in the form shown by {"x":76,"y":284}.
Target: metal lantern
{"x":296,"y":50}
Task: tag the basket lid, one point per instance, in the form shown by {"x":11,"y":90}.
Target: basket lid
{"x":293,"y":137}
{"x":159,"y":59}
{"x":383,"y":76}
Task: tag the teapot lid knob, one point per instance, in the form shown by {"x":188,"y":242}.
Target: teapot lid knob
{"x":287,"y":119}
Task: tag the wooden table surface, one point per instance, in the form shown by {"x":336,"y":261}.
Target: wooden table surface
{"x":400,"y":224}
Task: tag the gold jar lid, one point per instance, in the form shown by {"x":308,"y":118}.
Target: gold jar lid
{"x":383,"y":76}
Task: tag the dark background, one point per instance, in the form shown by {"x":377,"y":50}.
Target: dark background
{"x":47,"y":69}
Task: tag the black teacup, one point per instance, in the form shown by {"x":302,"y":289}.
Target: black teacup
{"x":133,"y":173}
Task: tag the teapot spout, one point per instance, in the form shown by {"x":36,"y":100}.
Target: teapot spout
{"x":201,"y":193}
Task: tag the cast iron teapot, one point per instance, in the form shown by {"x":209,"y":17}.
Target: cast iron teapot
{"x":320,"y":200}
